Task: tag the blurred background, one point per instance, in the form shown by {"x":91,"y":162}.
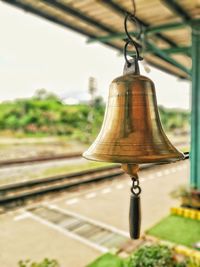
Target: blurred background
{"x":54,"y":204}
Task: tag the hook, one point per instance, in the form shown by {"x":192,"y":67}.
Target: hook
{"x":133,"y":19}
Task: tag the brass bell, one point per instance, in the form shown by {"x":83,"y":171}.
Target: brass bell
{"x":132,"y":133}
{"x":132,"y":130}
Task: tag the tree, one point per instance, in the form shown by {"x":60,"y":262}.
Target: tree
{"x":43,"y":94}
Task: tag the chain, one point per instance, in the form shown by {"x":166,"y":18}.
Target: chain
{"x":135,"y":188}
{"x":130,"y":41}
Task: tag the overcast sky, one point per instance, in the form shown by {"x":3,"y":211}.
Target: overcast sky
{"x":35,"y":53}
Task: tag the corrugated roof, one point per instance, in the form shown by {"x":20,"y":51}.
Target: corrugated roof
{"x":167,"y":24}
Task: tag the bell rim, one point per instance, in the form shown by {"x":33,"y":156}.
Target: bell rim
{"x":140,"y":159}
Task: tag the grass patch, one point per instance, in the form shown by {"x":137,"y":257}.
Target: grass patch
{"x":177,"y":229}
{"x":107,"y":260}
{"x":73,"y":168}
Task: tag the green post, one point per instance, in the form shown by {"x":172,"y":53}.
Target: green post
{"x":195,"y":116}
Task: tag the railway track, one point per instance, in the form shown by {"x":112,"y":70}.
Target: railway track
{"x":29,"y":160}
{"x":21,"y":161}
{"x":18,"y":194}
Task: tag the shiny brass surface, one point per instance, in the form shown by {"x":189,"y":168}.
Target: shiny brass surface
{"x":131,"y":169}
{"x":132,"y":131}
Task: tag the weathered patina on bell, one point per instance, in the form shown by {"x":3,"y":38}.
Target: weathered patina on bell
{"x":132,"y":130}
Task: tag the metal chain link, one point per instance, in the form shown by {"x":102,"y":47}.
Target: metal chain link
{"x":135,"y":188}
{"x":130,"y":41}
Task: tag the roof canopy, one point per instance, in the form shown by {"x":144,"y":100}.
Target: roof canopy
{"x":166,"y":24}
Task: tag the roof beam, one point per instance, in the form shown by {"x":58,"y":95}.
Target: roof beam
{"x":171,"y":26}
{"x":163,"y":55}
{"x":153,"y":49}
{"x":120,"y":10}
{"x":177,"y":50}
{"x":166,"y":57}
{"x":171,"y":50}
{"x":51,"y":18}
{"x":148,"y":30}
{"x":153,"y":64}
{"x":165,"y":27}
{"x":177,"y":9}
{"x":40,"y":13}
{"x":122,"y":35}
{"x":78,"y":14}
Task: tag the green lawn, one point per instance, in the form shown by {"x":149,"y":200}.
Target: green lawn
{"x":107,"y":260}
{"x":177,"y":229}
{"x":57,"y":170}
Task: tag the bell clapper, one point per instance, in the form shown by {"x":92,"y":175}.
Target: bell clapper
{"x":135,"y":206}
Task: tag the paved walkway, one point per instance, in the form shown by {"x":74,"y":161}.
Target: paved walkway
{"x":23,"y":236}
{"x":30,"y":239}
{"x":110,"y":203}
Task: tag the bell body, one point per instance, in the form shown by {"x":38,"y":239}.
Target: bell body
{"x":132,"y":131}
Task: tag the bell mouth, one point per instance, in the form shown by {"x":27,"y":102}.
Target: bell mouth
{"x":165,"y":158}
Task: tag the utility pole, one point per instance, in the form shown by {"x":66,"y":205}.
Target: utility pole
{"x":92,"y":89}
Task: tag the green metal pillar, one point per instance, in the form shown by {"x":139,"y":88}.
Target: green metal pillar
{"x":195,"y":116}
